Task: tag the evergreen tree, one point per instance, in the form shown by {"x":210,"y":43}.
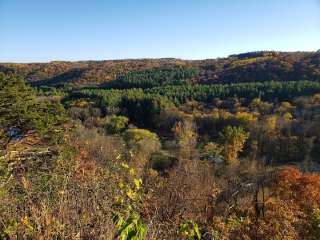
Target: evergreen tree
{"x":18,"y":106}
{"x":20,"y":110}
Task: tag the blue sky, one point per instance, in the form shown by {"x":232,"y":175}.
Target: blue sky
{"x":46,"y":30}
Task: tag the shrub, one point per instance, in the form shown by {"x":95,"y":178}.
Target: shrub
{"x":161,"y":162}
{"x":117,"y":124}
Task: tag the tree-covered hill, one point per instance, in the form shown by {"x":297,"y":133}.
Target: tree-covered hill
{"x":80,"y":73}
{"x":162,"y":149}
{"x":247,"y":67}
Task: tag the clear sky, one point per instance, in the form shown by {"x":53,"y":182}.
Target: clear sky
{"x":45,"y":30}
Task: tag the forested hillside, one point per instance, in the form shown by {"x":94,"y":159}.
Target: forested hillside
{"x":161,"y":149}
{"x":248,"y":67}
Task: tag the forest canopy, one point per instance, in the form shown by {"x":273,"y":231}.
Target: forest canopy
{"x":161,"y":148}
{"x":246,"y":67}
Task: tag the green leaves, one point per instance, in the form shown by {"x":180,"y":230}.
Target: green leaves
{"x":131,"y":228}
{"x":126,"y":218}
{"x":190,"y":230}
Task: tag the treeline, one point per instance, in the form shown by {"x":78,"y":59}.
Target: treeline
{"x":247,"y":67}
{"x":82,"y":73}
{"x":262,"y":66}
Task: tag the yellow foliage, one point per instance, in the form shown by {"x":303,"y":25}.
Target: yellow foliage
{"x":246,"y":118}
{"x":136,"y":135}
{"x":186,"y":136}
{"x":81,"y":103}
{"x":234,"y":139}
{"x":258,"y":104}
{"x":287,"y":116}
{"x":270,"y":123}
{"x":224,"y":114}
{"x":212,"y":149}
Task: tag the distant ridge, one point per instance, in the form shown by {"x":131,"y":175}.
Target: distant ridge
{"x":243,"y":67}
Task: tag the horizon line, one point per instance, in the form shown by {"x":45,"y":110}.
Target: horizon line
{"x":153,"y":58}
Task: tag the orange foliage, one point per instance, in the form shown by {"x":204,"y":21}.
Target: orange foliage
{"x":289,"y":214}
{"x":84,"y":167}
{"x":303,"y":188}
